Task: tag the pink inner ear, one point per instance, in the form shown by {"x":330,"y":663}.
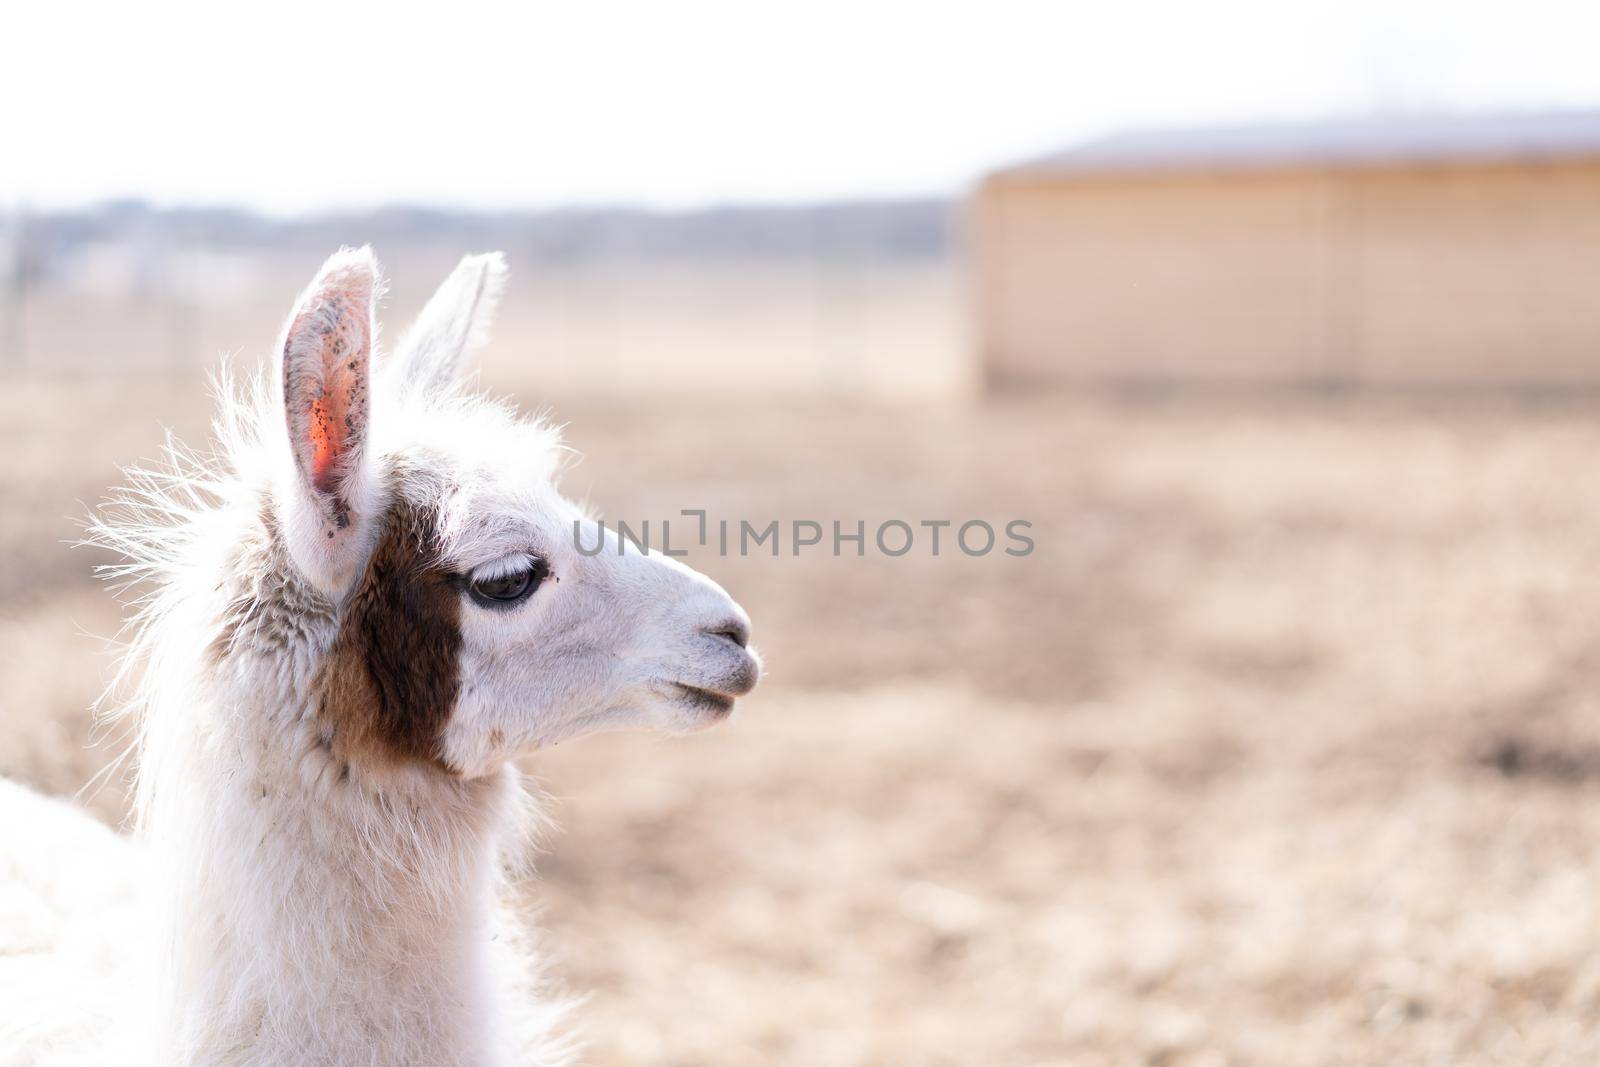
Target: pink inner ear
{"x":337,"y":334}
{"x":327,"y":439}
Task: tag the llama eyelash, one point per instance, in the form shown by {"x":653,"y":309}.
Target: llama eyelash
{"x":499,"y":568}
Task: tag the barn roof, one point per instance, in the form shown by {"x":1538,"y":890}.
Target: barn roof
{"x":1334,"y":143}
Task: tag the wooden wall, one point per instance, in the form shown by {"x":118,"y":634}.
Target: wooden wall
{"x":1488,"y":275}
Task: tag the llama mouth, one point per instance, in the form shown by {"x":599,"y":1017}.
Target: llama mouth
{"x":705,"y":699}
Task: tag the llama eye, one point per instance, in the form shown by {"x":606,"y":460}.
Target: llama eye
{"x":504,"y":589}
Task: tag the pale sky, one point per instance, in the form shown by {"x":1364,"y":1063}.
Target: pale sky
{"x":304,"y":105}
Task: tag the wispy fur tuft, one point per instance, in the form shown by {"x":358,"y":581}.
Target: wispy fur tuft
{"x":168,"y":523}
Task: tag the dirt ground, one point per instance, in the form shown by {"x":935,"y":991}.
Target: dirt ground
{"x":1281,"y":748}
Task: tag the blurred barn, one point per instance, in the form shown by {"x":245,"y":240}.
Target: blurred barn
{"x":1456,"y":251}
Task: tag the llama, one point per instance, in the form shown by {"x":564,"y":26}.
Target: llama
{"x":357,"y":613}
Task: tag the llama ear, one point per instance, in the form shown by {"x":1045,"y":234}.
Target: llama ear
{"x":327,"y":351}
{"x":454,"y":323}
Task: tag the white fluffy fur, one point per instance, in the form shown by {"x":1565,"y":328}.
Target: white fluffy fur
{"x":281,"y":906}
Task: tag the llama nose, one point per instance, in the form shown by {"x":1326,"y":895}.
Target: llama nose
{"x":733,"y":628}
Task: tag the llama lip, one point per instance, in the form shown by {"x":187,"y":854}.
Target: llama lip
{"x":706,"y":699}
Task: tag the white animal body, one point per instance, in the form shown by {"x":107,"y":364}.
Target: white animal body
{"x":354,"y":616}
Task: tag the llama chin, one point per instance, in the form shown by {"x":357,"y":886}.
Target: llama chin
{"x":352,"y":618}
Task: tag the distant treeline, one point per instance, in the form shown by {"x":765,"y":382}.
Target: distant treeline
{"x":891,"y":229}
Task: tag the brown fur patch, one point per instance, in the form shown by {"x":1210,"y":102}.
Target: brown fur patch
{"x":391,"y":677}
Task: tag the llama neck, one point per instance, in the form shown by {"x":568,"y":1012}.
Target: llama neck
{"x":320,"y":915}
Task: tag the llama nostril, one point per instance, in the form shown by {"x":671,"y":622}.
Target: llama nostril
{"x":735,"y":630}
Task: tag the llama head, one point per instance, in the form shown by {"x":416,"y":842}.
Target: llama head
{"x":470,"y":626}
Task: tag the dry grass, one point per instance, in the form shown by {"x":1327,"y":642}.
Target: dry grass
{"x":1283,"y":748}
